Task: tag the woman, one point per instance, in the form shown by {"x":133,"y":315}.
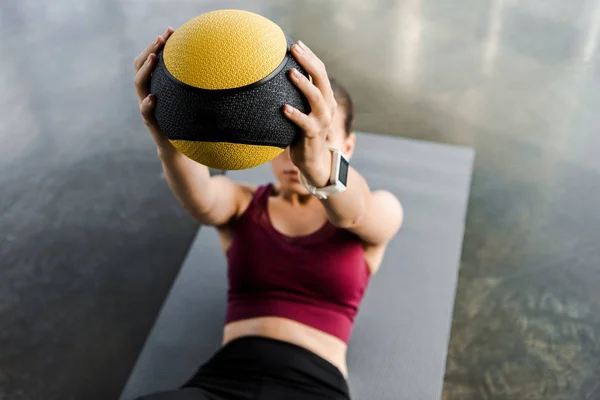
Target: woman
{"x":298,"y":265}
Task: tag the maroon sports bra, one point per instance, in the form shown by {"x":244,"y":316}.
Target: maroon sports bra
{"x":318,"y":280}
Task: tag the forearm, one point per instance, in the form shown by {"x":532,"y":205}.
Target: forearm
{"x":189,"y":181}
{"x":345,"y":209}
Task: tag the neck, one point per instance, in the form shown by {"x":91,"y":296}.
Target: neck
{"x":296,"y":199}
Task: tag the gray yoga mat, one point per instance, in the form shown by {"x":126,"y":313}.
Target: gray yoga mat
{"x":399,"y":343}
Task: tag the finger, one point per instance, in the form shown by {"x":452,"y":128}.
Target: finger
{"x":168,"y":33}
{"x":315,"y":68}
{"x":147,"y":111}
{"x":311,"y":92}
{"x":142,"y":77}
{"x":303,"y":121}
{"x":155,"y":47}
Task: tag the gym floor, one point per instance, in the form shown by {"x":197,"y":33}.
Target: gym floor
{"x":91,"y":238}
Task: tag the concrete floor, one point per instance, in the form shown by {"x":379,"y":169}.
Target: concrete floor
{"x":91,"y":237}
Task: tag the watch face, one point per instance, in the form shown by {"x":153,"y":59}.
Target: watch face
{"x":343,"y":176}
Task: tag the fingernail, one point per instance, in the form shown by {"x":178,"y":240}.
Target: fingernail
{"x":295,"y":73}
{"x":288,"y":109}
{"x":298,"y":49}
{"x":157,"y":40}
{"x":301,"y":44}
{"x":149,"y":57}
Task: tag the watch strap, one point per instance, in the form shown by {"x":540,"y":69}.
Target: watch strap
{"x":324,"y":192}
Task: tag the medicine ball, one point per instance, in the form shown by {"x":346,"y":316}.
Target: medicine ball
{"x":220,"y":85}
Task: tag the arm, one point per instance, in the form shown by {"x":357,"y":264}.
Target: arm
{"x":211,"y":201}
{"x":374,"y":216}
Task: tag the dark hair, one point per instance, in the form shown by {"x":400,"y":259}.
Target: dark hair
{"x":343,"y":99}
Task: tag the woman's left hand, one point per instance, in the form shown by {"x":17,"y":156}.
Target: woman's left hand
{"x":310,"y":152}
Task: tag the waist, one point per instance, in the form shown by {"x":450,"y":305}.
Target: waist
{"x":335,"y":320}
{"x":329,"y":348}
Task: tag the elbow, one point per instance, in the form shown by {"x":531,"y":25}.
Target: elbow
{"x":202,"y":212}
{"x":354,"y":215}
{"x":198,"y":215}
{"x":202,"y":218}
{"x":348,"y":222}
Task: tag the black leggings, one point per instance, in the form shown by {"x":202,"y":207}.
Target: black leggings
{"x":257,"y":368}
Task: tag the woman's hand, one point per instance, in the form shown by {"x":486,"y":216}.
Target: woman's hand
{"x":144,"y":65}
{"x":310,"y":152}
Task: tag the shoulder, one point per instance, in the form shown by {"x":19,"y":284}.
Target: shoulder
{"x":390,"y":207}
{"x":386,"y":197}
{"x":392,"y":210}
{"x":389,"y":202}
{"x":381,"y":221}
{"x":387,"y":213}
{"x":393,"y":216}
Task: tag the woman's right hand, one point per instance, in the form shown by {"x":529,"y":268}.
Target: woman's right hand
{"x":144,"y":65}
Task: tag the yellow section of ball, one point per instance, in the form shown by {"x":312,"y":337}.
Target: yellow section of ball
{"x":227,"y":156}
{"x":225,"y":49}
